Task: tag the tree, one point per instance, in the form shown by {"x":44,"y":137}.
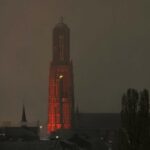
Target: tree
{"x":135,"y":120}
{"x":143,"y":120}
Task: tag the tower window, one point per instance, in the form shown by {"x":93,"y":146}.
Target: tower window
{"x":61,"y":47}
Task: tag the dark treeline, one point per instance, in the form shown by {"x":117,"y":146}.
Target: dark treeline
{"x":135,"y":121}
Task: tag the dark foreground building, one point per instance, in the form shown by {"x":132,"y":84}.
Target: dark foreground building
{"x":92,"y":132}
{"x":19,"y":133}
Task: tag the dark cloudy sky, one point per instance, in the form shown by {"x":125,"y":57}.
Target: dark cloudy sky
{"x":110,"y":48}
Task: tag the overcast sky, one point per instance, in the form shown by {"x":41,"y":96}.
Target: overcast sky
{"x":110,"y":49}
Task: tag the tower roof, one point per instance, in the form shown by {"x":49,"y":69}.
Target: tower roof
{"x":61,"y":24}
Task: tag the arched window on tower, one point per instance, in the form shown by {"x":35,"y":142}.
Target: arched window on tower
{"x":61,"y":47}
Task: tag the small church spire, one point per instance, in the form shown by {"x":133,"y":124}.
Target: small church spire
{"x":23,"y":119}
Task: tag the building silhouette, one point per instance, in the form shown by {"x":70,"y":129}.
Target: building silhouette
{"x":21,"y":132}
{"x":61,"y":97}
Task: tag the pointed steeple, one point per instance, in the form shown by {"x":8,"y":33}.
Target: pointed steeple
{"x":23,"y":119}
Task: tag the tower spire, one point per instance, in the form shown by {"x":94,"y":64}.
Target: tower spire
{"x":23,"y":119}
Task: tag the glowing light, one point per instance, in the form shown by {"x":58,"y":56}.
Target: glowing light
{"x":57,"y":137}
{"x":41,"y":127}
{"x":61,"y":76}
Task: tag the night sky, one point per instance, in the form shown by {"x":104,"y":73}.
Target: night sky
{"x":110,"y":49}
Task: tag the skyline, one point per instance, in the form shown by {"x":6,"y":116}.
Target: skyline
{"x":109,"y":49}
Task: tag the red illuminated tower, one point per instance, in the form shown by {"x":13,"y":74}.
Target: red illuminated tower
{"x":61,"y":99}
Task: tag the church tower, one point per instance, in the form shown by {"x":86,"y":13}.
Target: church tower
{"x":61,"y":97}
